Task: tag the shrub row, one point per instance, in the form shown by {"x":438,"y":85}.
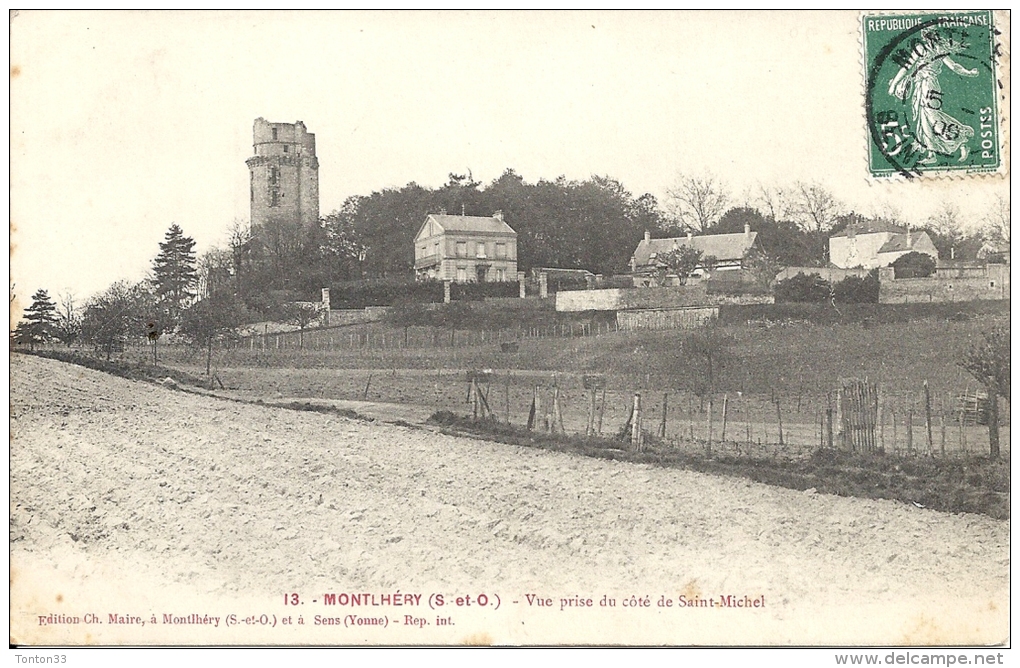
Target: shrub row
{"x":812,"y":288}
{"x":390,"y":291}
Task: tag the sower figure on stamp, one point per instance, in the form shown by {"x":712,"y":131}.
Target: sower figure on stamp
{"x":935,"y":131}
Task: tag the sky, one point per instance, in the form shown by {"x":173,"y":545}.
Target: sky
{"x":123,"y":123}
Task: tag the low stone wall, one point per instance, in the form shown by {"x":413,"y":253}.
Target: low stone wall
{"x":683,"y":318}
{"x":831,"y":274}
{"x":624,"y":299}
{"x":976,"y":283}
{"x":356,"y":316}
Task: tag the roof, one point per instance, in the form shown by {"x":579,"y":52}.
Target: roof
{"x":483,"y":224}
{"x":723,"y":246}
{"x":870,"y":227}
{"x":898,"y":243}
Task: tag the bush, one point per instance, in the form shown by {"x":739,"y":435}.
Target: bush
{"x":567,"y":283}
{"x":479,"y":291}
{"x":384,"y":292}
{"x":914,"y":265}
{"x":857,"y":290}
{"x":803,"y":288}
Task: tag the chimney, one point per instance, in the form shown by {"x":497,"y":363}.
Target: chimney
{"x":747,"y":230}
{"x":648,"y":236}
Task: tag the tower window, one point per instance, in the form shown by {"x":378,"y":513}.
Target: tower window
{"x":274,"y":134}
{"x":274,"y":186}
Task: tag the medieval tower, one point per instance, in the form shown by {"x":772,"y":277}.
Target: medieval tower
{"x":284,"y":180}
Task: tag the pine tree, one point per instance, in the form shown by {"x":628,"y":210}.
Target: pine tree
{"x":41,"y":319}
{"x":175,"y":272}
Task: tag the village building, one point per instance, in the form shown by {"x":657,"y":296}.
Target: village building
{"x":873,"y":244}
{"x":726,"y":252}
{"x":465,"y":249}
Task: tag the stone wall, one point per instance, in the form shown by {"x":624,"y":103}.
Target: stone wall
{"x":682,"y":318}
{"x":990,"y":282}
{"x":831,"y":274}
{"x":623,"y":299}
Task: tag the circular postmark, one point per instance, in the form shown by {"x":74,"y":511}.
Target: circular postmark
{"x":930,"y":94}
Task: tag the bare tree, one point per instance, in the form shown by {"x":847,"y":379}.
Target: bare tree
{"x":775,"y":202}
{"x":815,"y":207}
{"x":947,"y":232}
{"x":68,"y":319}
{"x":996,"y":223}
{"x":989,"y":362}
{"x":698,"y":201}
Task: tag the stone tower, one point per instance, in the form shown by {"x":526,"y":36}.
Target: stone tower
{"x":284,"y":179}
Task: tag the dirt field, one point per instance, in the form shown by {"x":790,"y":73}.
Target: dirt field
{"x":136,"y":500}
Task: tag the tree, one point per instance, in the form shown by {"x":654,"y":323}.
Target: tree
{"x":68,"y":327}
{"x":698,"y":201}
{"x":111,"y":317}
{"x":988,"y":362}
{"x":682,"y":261}
{"x":215,"y":318}
{"x":803,"y":288}
{"x":698,"y":362}
{"x":40,"y":320}
{"x":947,"y":233}
{"x":996,"y":222}
{"x":776,"y":202}
{"x":174,"y":273}
{"x":762,"y":268}
{"x":815,"y":207}
{"x":301,"y":314}
{"x":914,"y":265}
{"x":341,"y":247}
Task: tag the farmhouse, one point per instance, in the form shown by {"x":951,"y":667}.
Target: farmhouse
{"x":872,"y":244}
{"x":729,"y":251}
{"x":465,"y":248}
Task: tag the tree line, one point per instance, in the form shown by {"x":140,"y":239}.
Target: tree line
{"x":593,"y":224}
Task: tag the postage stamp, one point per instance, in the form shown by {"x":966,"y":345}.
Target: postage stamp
{"x":931,"y":93}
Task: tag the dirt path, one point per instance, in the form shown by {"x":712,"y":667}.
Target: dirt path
{"x":149,"y":501}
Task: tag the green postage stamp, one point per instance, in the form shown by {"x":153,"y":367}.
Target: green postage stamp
{"x":931,"y":93}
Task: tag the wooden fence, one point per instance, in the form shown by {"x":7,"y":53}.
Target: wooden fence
{"x":856,"y":417}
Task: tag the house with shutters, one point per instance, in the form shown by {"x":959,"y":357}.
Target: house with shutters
{"x":465,"y":249}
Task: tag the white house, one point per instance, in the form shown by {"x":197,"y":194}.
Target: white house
{"x":466,"y":248}
{"x":872,"y":244}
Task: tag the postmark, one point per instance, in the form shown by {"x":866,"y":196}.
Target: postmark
{"x":931,"y":99}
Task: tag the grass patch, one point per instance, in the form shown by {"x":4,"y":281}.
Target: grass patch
{"x":969,"y":484}
{"x":322,"y":408}
{"x":132,"y":370}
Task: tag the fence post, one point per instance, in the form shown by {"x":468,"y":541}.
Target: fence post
{"x":602,"y":410}
{"x":590,"y":426}
{"x":927,"y":417}
{"x":993,"y":421}
{"x":725,"y":403}
{"x":779,"y":416}
{"x":662,"y":427}
{"x":635,"y":423}
{"x":910,"y":430}
{"x":508,"y":396}
{"x":942,"y":422}
{"x":709,"y":421}
{"x":881,"y":419}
